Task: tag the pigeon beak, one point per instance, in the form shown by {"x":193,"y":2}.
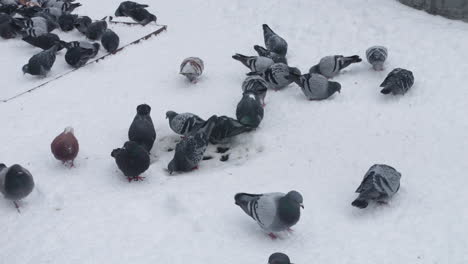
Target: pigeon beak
{"x":302,"y":206}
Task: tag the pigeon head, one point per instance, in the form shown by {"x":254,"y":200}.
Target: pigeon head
{"x":2,"y":166}
{"x":261,"y":50}
{"x":152,"y":17}
{"x":295,"y":197}
{"x":171,"y":167}
{"x":170,"y":114}
{"x":294,"y":75}
{"x":26,"y":69}
{"x":7,"y":31}
{"x":143,"y":109}
{"x":116,"y":152}
{"x":334,"y":87}
{"x":279,"y":258}
{"x":68,"y":130}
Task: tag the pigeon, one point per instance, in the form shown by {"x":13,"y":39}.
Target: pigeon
{"x":110,"y":41}
{"x":45,"y":41}
{"x":257,"y":86}
{"x":249,"y":111}
{"x":142,"y":129}
{"x":53,"y":11}
{"x":15,"y":183}
{"x":9,"y":9}
{"x":274,"y":212}
{"x":79,"y":53}
{"x":38,"y":25}
{"x":192,"y":68}
{"x":398,"y":81}
{"x":184,"y":123}
{"x":142,"y":16}
{"x":376,"y":56}
{"x":125,"y":8}
{"x":96,"y":29}
{"x":279,"y":258}
{"x":225,"y":128}
{"x":330,"y":66}
{"x":41,"y":63}
{"x":65,"y":146}
{"x":132,"y":160}
{"x":66,"y":7}
{"x":256,"y":64}
{"x":29,"y":11}
{"x":272,"y":55}
{"x":276,"y":75}
{"x":67,"y":22}
{"x":82,"y":23}
{"x":273,"y":42}
{"x":8,"y":28}
{"x":315,"y":86}
{"x":189,"y":152}
{"x":380,"y":183}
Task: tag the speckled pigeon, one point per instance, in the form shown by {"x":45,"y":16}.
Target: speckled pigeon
{"x":256,"y":64}
{"x":315,"y":86}
{"x":192,"y":68}
{"x":142,"y":129}
{"x":279,"y":258}
{"x":376,"y":56}
{"x":41,"y":63}
{"x":398,"y":81}
{"x":269,"y":54}
{"x":273,"y":42}
{"x":249,"y":111}
{"x":132,"y":160}
{"x":225,"y":128}
{"x":184,"y":123}
{"x":16,"y":183}
{"x":274,"y":212}
{"x":380,"y":183}
{"x":276,"y":75}
{"x":257,"y":86}
{"x":330,"y":66}
{"x":189,"y":152}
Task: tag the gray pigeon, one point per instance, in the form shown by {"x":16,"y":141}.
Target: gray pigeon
{"x":376,"y":56}
{"x":331,"y":66}
{"x":225,"y":128}
{"x":315,"y":86}
{"x":37,"y":26}
{"x":15,"y":183}
{"x":41,"y":63}
{"x":82,"y":23}
{"x":184,"y":123}
{"x":249,"y":111}
{"x":274,"y":212}
{"x":257,"y":86}
{"x":192,"y":68}
{"x":189,"y":152}
{"x":273,"y":42}
{"x":279,"y":258}
{"x":276,"y":75}
{"x":96,"y":29}
{"x":110,"y":41}
{"x":256,"y":64}
{"x":398,"y":81}
{"x":380,"y":183}
{"x":269,"y":54}
{"x":142,"y":129}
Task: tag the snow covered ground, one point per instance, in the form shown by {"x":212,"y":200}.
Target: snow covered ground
{"x":91,"y":214}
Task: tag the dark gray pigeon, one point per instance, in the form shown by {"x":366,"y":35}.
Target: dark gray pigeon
{"x":330,"y":66}
{"x":41,"y":63}
{"x":279,"y":258}
{"x":398,"y":81}
{"x":110,"y":40}
{"x":380,"y":183}
{"x":45,"y":41}
{"x":9,"y":28}
{"x":67,"y":22}
{"x":189,"y":152}
{"x":315,"y":86}
{"x":142,"y":16}
{"x":276,"y":75}
{"x":125,"y":8}
{"x":132,"y":160}
{"x":273,"y":42}
{"x":185,"y":123}
{"x":82,"y":23}
{"x":257,"y":86}
{"x":80,"y":52}
{"x":15,"y":183}
{"x":256,"y":64}
{"x":274,"y":212}
{"x":376,"y":56}
{"x":274,"y":56}
{"x":249,"y":111}
{"x":96,"y":30}
{"x":226,"y":128}
{"x":142,"y":129}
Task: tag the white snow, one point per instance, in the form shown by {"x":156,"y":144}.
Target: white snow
{"x":91,"y":214}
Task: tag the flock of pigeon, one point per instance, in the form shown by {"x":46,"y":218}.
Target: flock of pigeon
{"x":274,"y":212}
{"x":35,"y":20}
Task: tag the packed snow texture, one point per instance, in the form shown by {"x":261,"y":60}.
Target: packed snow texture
{"x":91,"y":214}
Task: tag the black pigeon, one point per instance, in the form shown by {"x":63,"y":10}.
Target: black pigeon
{"x":126,"y":6}
{"x":28,"y":11}
{"x":67,"y":22}
{"x":79,"y":53}
{"x":279,"y":258}
{"x":96,"y":29}
{"x":132,"y":160}
{"x":189,"y":152}
{"x":8,"y":27}
{"x":9,"y":9}
{"x":110,"y":40}
{"x":142,"y":16}
{"x":398,"y":81}
{"x":82,"y":23}
{"x":249,"y":111}
{"x":142,"y":129}
{"x":15,"y":182}
{"x":45,"y":41}
{"x":270,"y":54}
{"x":225,"y":128}
{"x":41,"y":63}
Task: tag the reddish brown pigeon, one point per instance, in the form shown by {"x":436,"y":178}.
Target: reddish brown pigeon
{"x":65,"y":146}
